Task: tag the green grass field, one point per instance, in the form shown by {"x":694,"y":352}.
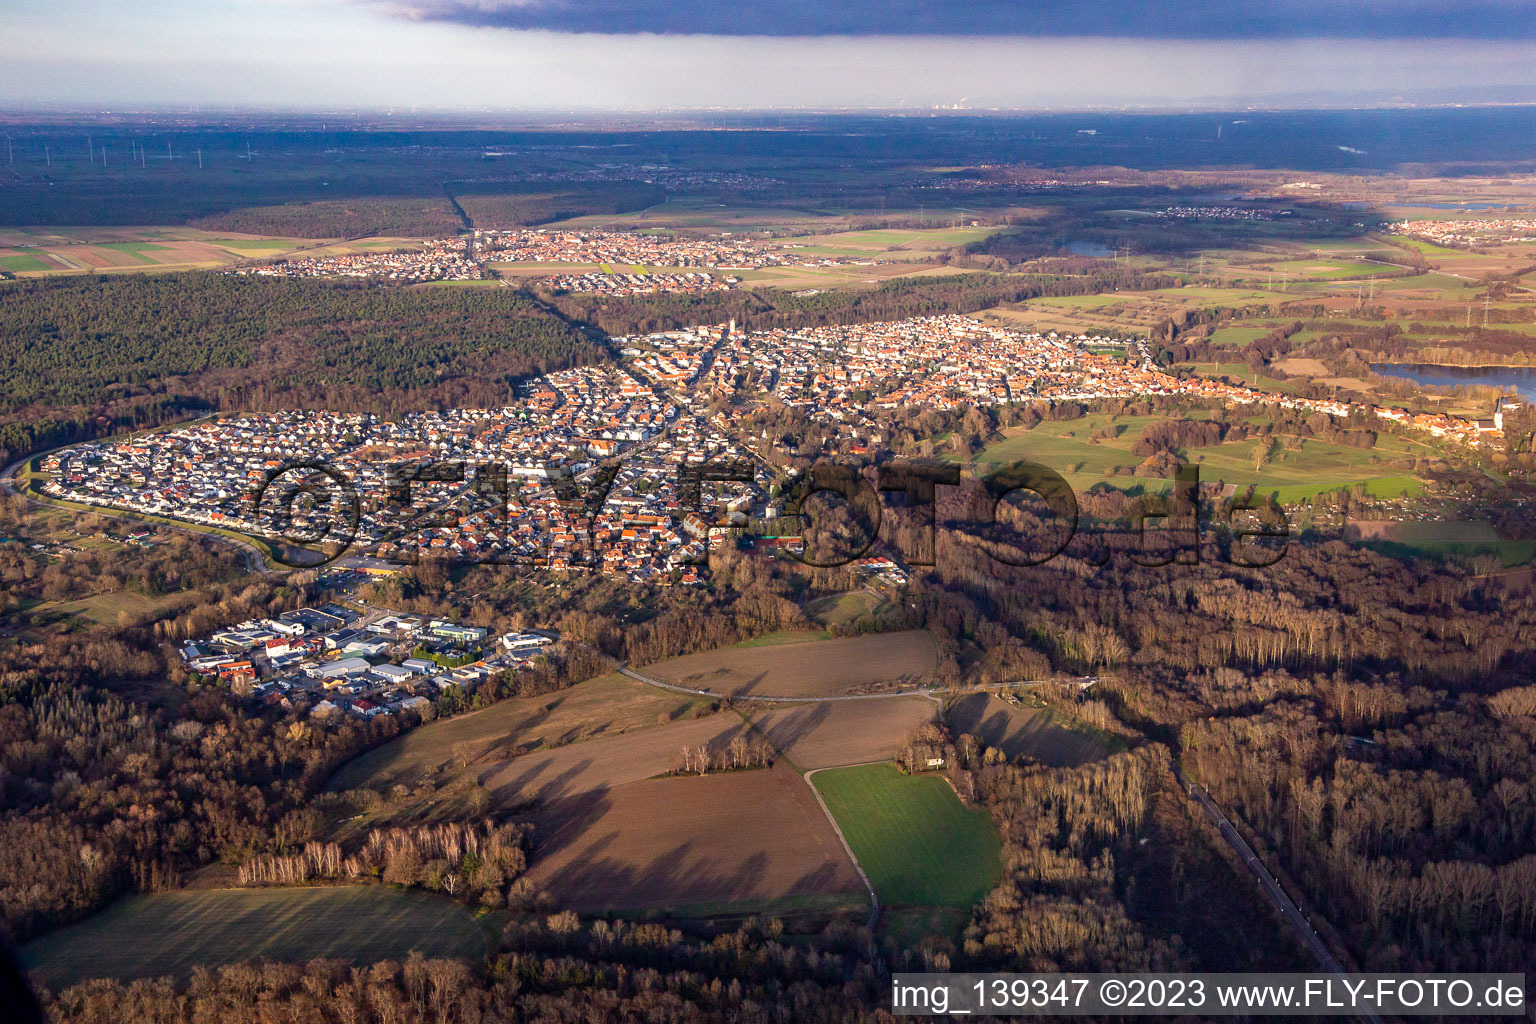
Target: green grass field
{"x":1428,"y":248}
{"x":1237,"y":337}
{"x":1449,"y":287}
{"x":1307,"y":269}
{"x":918,"y":843}
{"x":281,"y":243}
{"x":170,"y":933}
{"x":875,"y":240}
{"x":842,"y":609}
{"x":1396,"y":486}
{"x":1314,"y":467}
{"x":22,"y":263}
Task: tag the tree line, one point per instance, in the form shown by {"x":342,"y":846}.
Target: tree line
{"x":142,"y":349}
{"x":477,"y":862}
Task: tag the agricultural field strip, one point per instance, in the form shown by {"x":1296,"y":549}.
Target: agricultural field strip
{"x":151,"y":934}
{"x":924,"y":691}
{"x":874,"y":899}
{"x":664,"y":842}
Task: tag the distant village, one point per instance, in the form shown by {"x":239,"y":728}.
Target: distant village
{"x":449,"y":259}
{"x":640,"y":282}
{"x":631,"y":263}
{"x":628,"y":248}
{"x":1487,"y":231}
{"x":675,"y":401}
{"x":1221,"y":213}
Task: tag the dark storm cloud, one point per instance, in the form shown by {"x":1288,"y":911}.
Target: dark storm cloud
{"x":1159,"y":19}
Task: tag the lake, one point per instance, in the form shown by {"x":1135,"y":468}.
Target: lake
{"x":1521,"y":379}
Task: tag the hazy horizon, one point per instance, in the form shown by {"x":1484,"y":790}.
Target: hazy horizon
{"x":530,"y":55}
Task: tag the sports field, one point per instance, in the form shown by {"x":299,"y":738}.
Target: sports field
{"x":914,"y":838}
{"x":169,"y":933}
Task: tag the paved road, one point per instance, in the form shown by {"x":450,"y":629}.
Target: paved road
{"x":921,"y":691}
{"x":1304,"y":931}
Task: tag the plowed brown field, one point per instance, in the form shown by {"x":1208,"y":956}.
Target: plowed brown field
{"x":1020,"y":730}
{"x":603,"y":764}
{"x":848,"y":732}
{"x":755,"y":835}
{"x":872,"y":663}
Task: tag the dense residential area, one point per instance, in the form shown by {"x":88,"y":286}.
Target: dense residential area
{"x":655,"y":413}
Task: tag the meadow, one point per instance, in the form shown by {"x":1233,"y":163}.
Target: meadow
{"x":153,"y":934}
{"x":914,"y":838}
{"x":1296,"y":468}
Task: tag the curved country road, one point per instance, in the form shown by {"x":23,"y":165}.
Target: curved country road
{"x":921,"y":691}
{"x":255,"y":560}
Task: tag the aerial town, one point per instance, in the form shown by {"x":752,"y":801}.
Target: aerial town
{"x":630,"y":263}
{"x":514,"y":494}
{"x":532,"y":245}
{"x":1221,"y":213}
{"x":541,"y":511}
{"x":640,"y":282}
{"x":1464,"y":233}
{"x":447,"y":259}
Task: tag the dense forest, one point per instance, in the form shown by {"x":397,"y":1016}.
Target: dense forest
{"x":557,"y":970}
{"x":108,"y":561}
{"x":352,"y":218}
{"x":510,"y":204}
{"x":136,"y":349}
{"x":1367,"y":718}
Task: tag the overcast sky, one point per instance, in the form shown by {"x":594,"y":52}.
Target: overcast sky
{"x":697,"y":53}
